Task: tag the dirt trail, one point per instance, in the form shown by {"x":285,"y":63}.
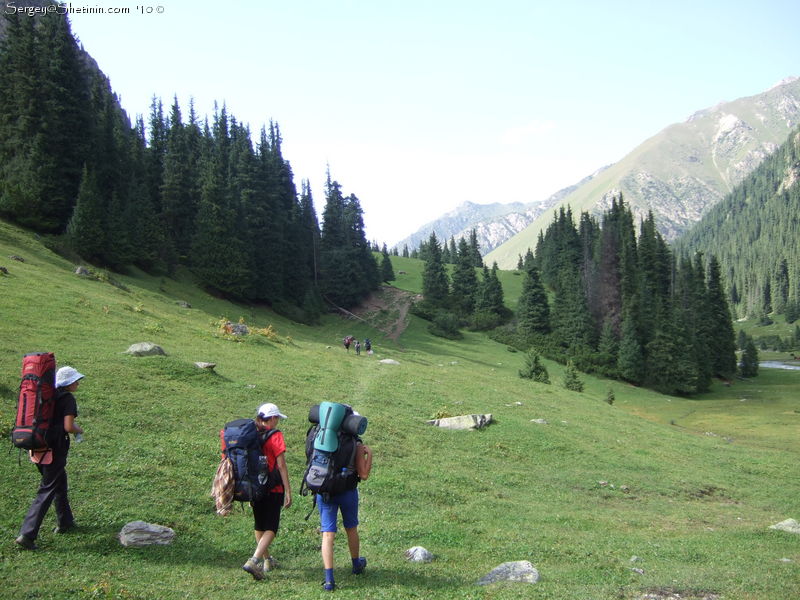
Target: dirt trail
{"x":386,"y":310}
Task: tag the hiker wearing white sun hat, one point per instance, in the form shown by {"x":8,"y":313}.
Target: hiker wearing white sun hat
{"x":52,"y":464}
{"x":267,"y":511}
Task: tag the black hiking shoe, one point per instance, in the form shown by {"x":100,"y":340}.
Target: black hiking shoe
{"x":69,"y":527}
{"x":25,"y":543}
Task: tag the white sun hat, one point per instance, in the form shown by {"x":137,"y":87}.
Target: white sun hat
{"x":67,"y":376}
{"x":265,"y":411}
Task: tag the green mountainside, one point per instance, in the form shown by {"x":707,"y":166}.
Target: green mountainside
{"x":650,"y":496}
{"x":755,"y":233}
{"x":685,"y":169}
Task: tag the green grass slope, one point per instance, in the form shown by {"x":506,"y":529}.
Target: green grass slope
{"x":688,"y":487}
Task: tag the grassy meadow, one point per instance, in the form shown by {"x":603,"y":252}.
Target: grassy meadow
{"x":651,"y":495}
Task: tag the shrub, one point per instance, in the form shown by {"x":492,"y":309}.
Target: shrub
{"x":534,"y":369}
{"x":445,"y":324}
{"x":571,"y":379}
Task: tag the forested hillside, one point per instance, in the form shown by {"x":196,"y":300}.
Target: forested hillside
{"x":176,"y":190}
{"x":755,"y":233}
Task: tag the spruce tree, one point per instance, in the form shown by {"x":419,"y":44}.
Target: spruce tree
{"x":534,"y":369}
{"x":572,"y":380}
{"x":464,"y":282}
{"x":435,"y":285}
{"x":87,"y":228}
{"x":387,"y":272}
{"x":748,"y":366}
{"x":533,"y":310}
{"x":722,"y":343}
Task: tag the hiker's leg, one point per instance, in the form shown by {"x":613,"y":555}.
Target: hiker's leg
{"x":264,"y":540}
{"x":52,"y":475}
{"x":353,"y":541}
{"x":327,"y":548}
{"x":64,"y":517}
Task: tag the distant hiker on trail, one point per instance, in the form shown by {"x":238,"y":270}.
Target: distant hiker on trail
{"x":52,"y":463}
{"x":358,"y":348}
{"x":368,"y":346}
{"x":347,"y":341}
{"x":267,"y":510}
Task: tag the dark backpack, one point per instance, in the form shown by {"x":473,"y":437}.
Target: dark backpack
{"x":331,"y":473}
{"x":33,"y":429}
{"x":241,"y":443}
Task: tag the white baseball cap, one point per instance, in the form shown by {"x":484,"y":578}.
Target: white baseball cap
{"x":265,"y":411}
{"x":67,"y":376}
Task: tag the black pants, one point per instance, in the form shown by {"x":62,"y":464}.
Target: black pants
{"x":53,"y":487}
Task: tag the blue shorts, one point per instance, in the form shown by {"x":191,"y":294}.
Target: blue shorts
{"x":347,"y":502}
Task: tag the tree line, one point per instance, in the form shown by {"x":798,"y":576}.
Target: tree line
{"x":622,"y":305}
{"x":176,"y":191}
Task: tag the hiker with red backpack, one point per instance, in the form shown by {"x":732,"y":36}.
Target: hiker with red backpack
{"x":267,"y":508}
{"x":51,"y":460}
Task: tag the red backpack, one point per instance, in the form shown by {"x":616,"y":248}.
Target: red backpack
{"x":36,"y":402}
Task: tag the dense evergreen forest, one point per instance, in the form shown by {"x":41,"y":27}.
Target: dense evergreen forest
{"x":754,"y":232}
{"x":174,"y":191}
{"x":625,"y":306}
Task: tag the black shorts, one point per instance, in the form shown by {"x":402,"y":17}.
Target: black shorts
{"x":267,"y":512}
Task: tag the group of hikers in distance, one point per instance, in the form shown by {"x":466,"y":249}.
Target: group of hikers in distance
{"x":252,"y":469}
{"x":349,"y":340}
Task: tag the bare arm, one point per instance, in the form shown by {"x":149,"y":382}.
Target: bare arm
{"x":287,"y":490}
{"x":70,"y":426}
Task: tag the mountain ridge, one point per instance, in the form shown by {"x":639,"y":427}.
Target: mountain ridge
{"x":685,"y":169}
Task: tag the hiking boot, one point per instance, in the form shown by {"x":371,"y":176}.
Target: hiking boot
{"x":65,"y":528}
{"x":255,"y":568}
{"x":328,"y":586}
{"x":25,"y":543}
{"x":270,"y":563}
{"x":359,"y":565}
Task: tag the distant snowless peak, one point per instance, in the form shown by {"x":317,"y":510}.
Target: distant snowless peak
{"x":785,"y":81}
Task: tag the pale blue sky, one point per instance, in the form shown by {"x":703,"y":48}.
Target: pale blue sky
{"x":420,"y":106}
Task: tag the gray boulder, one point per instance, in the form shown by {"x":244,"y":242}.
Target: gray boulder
{"x":140,"y":533}
{"x":205,"y":365}
{"x":418,"y":554}
{"x":83,"y":272}
{"x":389,"y":361}
{"x":145,"y":349}
{"x":184,"y":304}
{"x":521,"y":570}
{"x":462,"y":422}
{"x":789,"y":525}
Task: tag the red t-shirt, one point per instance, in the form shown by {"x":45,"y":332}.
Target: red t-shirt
{"x":272,"y":449}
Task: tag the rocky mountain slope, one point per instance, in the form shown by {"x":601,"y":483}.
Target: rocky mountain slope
{"x":685,"y":169}
{"x":494,"y":223}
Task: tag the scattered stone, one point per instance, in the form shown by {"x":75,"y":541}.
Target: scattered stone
{"x":539,"y":421}
{"x":184,"y":304}
{"x":789,"y":525}
{"x":205,"y":365}
{"x":389,"y":361}
{"x":634,"y":558}
{"x":521,"y":570}
{"x":462,"y":422}
{"x":145,"y":349}
{"x":140,"y":533}
{"x":83,"y":272}
{"x":3,"y":270}
{"x":17,"y":258}
{"x":418,"y":554}
{"x":602,"y":483}
{"x":625,"y":488}
{"x":786,"y":560}
{"x":638,"y":571}
{"x":250,"y":386}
